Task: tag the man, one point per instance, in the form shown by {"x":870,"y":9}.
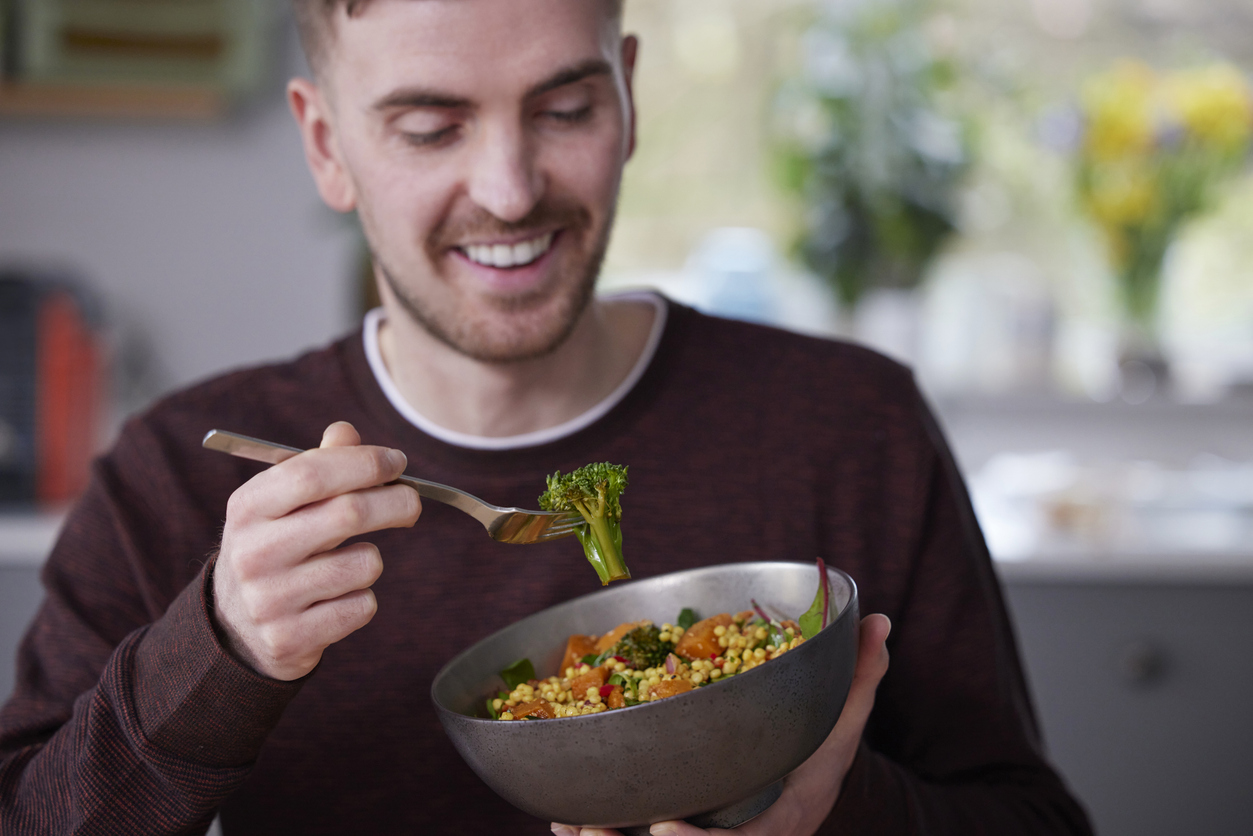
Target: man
{"x":285,"y":682}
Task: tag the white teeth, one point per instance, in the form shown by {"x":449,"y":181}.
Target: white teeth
{"x":522,"y":253}
{"x":505,"y":256}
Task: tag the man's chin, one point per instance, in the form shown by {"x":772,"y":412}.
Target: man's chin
{"x":498,"y":342}
{"x":500,"y":329}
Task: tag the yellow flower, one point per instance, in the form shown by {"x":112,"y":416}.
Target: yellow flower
{"x":1214,"y":104}
{"x":1117,"y":246}
{"x":1120,"y":109}
{"x":1122,"y":194}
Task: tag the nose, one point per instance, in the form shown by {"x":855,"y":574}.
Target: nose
{"x":504,"y":178}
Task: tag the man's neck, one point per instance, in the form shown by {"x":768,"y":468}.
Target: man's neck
{"x":496,"y":400}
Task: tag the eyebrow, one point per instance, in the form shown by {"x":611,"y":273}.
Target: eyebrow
{"x":420,"y":98}
{"x":570,"y":75}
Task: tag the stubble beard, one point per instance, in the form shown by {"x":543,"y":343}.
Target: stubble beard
{"x":525,"y":338}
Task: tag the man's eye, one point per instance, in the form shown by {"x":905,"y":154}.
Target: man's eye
{"x":570,"y":116}
{"x":430,"y":137}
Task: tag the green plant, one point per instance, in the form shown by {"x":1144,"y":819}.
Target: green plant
{"x":864,"y":140}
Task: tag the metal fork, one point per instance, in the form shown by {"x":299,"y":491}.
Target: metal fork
{"x":508,"y":525}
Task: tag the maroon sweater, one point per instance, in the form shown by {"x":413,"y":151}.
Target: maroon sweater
{"x":744,"y":443}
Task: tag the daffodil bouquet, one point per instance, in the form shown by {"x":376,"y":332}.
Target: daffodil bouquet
{"x":1154,"y":151}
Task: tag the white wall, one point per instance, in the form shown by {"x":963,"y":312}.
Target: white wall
{"x":209,"y":238}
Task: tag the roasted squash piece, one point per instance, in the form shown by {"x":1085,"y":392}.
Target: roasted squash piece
{"x":577,"y":647}
{"x":592,"y":679}
{"x":615,"y":698}
{"x":699,"y":641}
{"x":539,"y":708}
{"x":611,"y":638}
{"x":669,"y":687}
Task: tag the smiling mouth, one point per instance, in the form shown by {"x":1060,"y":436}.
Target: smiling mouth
{"x":504,"y":256}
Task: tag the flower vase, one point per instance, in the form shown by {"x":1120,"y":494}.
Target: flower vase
{"x":1143,"y":370}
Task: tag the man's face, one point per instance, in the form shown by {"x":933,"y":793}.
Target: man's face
{"x":482,"y":143}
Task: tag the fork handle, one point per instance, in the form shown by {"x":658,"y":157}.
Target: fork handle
{"x":269,"y":452}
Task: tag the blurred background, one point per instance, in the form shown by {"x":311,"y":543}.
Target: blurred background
{"x":1045,"y":207}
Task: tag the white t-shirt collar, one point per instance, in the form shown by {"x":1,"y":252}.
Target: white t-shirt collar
{"x":512,"y":442}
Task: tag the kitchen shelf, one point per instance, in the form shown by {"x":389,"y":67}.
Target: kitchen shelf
{"x":22,"y":99}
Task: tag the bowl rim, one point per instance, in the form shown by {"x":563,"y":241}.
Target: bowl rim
{"x":852,"y":605}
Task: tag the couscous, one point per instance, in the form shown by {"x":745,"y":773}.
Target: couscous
{"x":640,"y":662}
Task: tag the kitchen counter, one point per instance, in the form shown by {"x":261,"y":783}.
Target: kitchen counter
{"x":26,"y":537}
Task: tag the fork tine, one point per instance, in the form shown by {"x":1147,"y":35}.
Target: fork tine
{"x":562,"y":527}
{"x":554,"y":534}
{"x":521,"y":527}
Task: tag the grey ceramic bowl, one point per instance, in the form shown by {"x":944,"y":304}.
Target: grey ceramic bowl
{"x":714,"y":756}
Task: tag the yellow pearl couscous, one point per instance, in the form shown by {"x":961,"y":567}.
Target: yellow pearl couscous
{"x":639,"y":662}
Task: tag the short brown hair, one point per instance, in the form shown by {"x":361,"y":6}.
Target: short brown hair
{"x":314,"y":20}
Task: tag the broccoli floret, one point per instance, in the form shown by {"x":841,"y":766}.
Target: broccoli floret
{"x":593,"y":491}
{"x":642,"y":648}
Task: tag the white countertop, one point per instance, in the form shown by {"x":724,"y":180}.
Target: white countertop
{"x":1165,"y":568}
{"x":26,"y":538}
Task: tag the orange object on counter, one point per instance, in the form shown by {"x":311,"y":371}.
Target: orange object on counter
{"x":68,"y":373}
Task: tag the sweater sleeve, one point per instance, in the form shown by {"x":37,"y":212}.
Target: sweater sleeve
{"x":952,"y":745}
{"x":128,"y":716}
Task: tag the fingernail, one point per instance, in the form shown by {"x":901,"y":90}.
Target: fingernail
{"x":398,"y":460}
{"x":664,"y":829}
{"x":563,"y":830}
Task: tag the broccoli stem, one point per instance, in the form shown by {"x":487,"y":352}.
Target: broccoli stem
{"x":603,"y":549}
{"x":610,"y":549}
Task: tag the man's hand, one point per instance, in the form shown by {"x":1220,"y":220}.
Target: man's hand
{"x":282,"y":590}
{"x":810,"y":791}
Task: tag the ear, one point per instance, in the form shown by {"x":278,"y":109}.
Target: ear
{"x":630,"y":50}
{"x":313,"y":117}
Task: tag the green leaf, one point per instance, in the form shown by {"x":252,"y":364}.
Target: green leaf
{"x":617,"y":679}
{"x":590,"y":659}
{"x":775,"y":634}
{"x":491,"y":709}
{"x":517,"y":673}
{"x":815,"y":618}
{"x":811,"y":621}
{"x":687,"y":617}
